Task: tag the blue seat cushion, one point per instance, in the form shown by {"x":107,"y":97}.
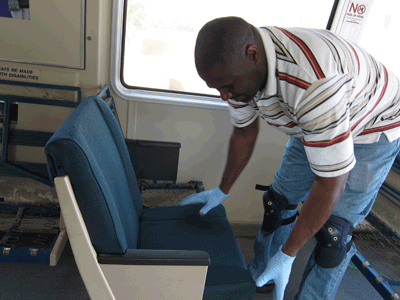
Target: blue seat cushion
{"x":91,"y":150}
{"x":229,"y":283}
{"x":182,"y":228}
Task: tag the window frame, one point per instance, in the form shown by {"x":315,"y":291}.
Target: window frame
{"x":145,"y":95}
{"x":151,"y":95}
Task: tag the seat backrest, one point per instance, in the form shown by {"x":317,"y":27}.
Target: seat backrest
{"x":90,"y":148}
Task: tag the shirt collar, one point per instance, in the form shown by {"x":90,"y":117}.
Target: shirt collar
{"x":271,"y":85}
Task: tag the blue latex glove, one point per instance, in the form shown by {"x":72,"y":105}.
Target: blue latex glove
{"x":278,"y":270}
{"x":211,"y":198}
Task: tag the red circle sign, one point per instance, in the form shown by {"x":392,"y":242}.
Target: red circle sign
{"x":361,"y":9}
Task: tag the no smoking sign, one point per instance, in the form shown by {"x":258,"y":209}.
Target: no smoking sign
{"x":356,"y":8}
{"x":361,"y":9}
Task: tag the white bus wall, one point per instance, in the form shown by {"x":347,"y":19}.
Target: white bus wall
{"x":203,"y":133}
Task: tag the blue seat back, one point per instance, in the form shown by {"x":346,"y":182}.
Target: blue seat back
{"x":90,"y":148}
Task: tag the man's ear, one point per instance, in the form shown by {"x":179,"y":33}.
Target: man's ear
{"x":253,"y":54}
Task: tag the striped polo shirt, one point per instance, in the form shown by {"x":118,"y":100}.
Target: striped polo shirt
{"x":327,"y":91}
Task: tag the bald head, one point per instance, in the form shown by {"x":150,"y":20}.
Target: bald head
{"x":230,"y":57}
{"x":222,"y":40}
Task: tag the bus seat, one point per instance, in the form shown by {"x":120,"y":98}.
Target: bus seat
{"x":122,"y":250}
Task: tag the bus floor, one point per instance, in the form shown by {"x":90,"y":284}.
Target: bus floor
{"x":354,"y":286}
{"x":42,"y":282}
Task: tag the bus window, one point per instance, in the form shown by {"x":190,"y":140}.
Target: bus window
{"x":157,"y":52}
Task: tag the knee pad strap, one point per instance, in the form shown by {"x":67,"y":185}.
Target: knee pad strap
{"x":273,"y":206}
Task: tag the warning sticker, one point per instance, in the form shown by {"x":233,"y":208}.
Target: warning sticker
{"x":353,"y":18}
{"x":355,"y":13}
{"x":19,"y":74}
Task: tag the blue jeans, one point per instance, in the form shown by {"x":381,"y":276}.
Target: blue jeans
{"x":294,"y":180}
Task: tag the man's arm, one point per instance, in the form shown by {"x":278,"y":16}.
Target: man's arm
{"x":317,"y":209}
{"x":241,"y":147}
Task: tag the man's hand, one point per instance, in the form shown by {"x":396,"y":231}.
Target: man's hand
{"x":211,"y":198}
{"x":278,"y":270}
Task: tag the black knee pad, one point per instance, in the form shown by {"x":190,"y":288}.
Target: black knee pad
{"x":331,"y":248}
{"x":273,"y":206}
